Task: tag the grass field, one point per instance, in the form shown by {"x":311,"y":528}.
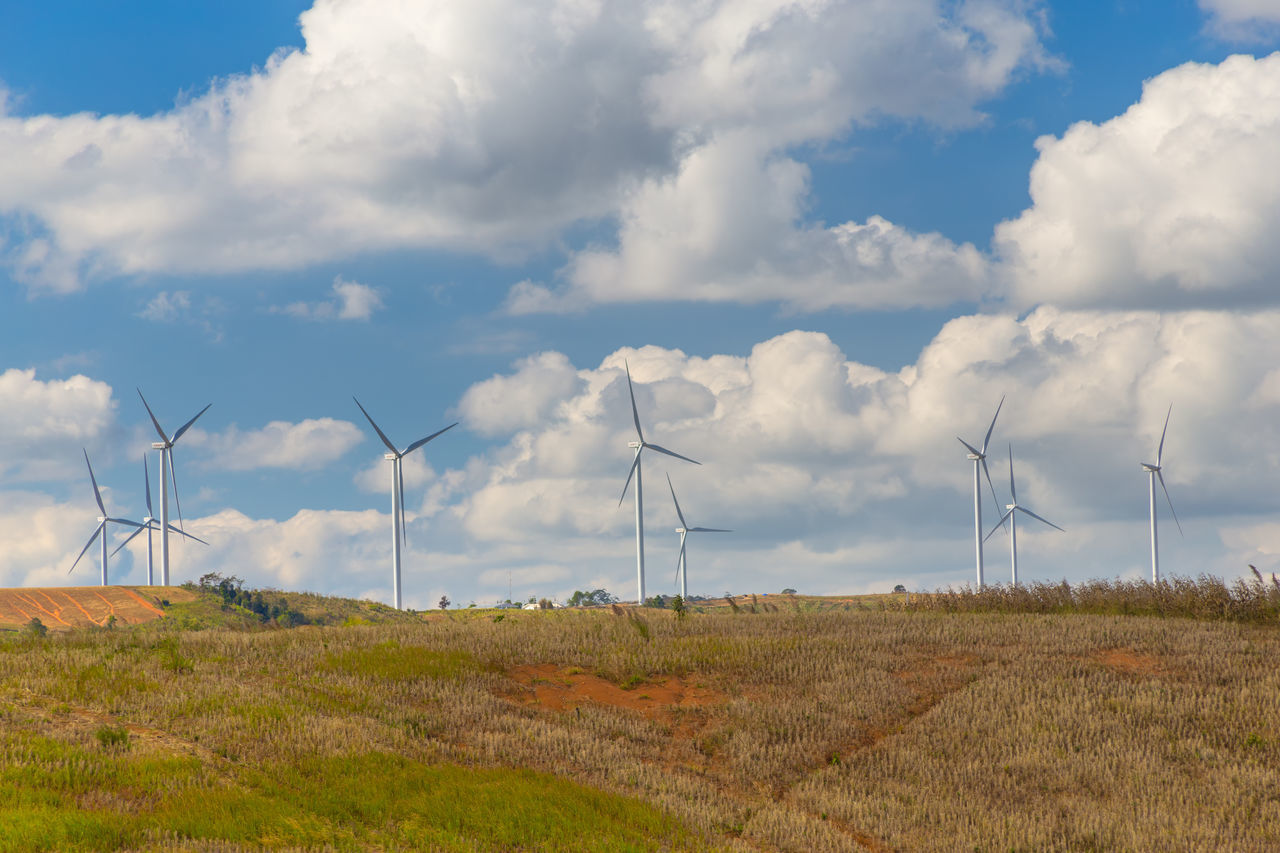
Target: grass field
{"x":890,"y":725}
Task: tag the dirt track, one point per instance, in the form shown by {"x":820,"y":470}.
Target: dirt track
{"x":62,"y":608}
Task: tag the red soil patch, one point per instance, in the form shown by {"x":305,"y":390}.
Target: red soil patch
{"x":1129,"y":662}
{"x":563,"y":689}
{"x":63,"y":608}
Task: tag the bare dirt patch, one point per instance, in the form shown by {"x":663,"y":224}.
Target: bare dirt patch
{"x":63,"y":608}
{"x":566,"y":688}
{"x":1129,"y":662}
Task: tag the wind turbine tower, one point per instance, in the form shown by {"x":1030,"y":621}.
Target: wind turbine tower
{"x":1012,"y":516}
{"x":639,"y":446}
{"x":979,"y":458}
{"x":682,"y":568}
{"x":1153,"y":474}
{"x":167,"y":475}
{"x":397,"y":496}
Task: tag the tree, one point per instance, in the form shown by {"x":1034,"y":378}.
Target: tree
{"x":677,"y":605}
{"x":899,"y":588}
{"x":444,"y":602}
{"x":595,"y":597}
{"x":36,"y":628}
{"x":788,"y":591}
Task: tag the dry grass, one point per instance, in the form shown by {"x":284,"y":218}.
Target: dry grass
{"x":835,"y":730}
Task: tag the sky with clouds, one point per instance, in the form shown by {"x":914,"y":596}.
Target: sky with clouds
{"x":827,"y":236}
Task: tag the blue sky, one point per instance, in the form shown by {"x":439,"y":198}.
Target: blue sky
{"x":787,"y":217}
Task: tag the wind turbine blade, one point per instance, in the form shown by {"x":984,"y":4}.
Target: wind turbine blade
{"x":146,"y":475}
{"x":155,"y":422}
{"x":991,"y":484}
{"x":708,"y":530}
{"x":1170,"y":500}
{"x":630,"y":473}
{"x":186,"y":534}
{"x":120,"y":548}
{"x":1160,"y":451}
{"x":679,"y":560}
{"x":969,"y":447}
{"x":382,"y":435}
{"x":182,"y":429}
{"x":1040,"y":518}
{"x":87,"y":545}
{"x":97,"y":495}
{"x":987,"y":440}
{"x":679,"y":514}
{"x":999,"y":524}
{"x":127,"y":522}
{"x":1013,"y":490}
{"x":635,"y":413}
{"x":671,"y":453}
{"x":173,"y":476}
{"x":423,"y":441}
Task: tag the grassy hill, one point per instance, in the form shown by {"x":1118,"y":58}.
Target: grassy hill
{"x":790,"y":728}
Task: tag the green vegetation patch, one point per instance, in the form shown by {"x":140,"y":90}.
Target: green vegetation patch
{"x":391,"y":661}
{"x":58,"y":796}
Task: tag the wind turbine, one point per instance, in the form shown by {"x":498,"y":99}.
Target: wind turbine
{"x":101,"y":529}
{"x":979,"y":457}
{"x":167,"y":474}
{"x":1012,"y":515}
{"x":149,"y":524}
{"x":397,"y":495}
{"x":682,"y":569}
{"x":1153,"y":473}
{"x":639,"y":447}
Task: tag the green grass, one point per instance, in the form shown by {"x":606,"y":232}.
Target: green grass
{"x":56,"y":796}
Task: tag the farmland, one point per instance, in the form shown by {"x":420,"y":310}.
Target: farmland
{"x":792,"y":726}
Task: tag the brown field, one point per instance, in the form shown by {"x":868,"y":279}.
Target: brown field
{"x":63,"y":608}
{"x":779,"y":729}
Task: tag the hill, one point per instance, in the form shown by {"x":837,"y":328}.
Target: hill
{"x":621,"y":729}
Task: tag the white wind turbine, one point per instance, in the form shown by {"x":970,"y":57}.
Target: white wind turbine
{"x":167,"y":475}
{"x":979,"y":457}
{"x":397,"y":495}
{"x":682,"y":569}
{"x":149,"y":524}
{"x":1012,"y":516}
{"x":101,"y":529}
{"x":1153,"y":473}
{"x":639,"y":447}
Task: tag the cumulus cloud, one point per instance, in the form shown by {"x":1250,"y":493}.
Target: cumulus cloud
{"x":492,"y":126}
{"x":351,"y":301}
{"x":1173,"y":204}
{"x":841,"y":474}
{"x":43,"y":424}
{"x":306,"y":445}
{"x":504,"y":404}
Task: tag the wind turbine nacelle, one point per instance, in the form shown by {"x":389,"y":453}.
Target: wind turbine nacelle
{"x":634,"y":444}
{"x":157,"y":445}
{"x":390,"y":457}
{"x":681,"y":530}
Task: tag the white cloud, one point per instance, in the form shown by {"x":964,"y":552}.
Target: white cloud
{"x":305,"y":446}
{"x":1243,"y":20}
{"x":492,"y":125}
{"x":167,"y":307}
{"x":507,"y":403}
{"x":43,"y":424}
{"x":351,"y":301}
{"x":1173,"y":204}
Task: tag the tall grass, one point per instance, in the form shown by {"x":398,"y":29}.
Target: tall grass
{"x":1251,"y":599}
